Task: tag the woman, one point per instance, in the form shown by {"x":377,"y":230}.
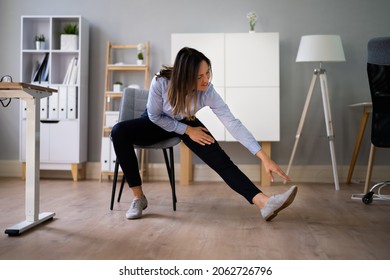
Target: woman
{"x":175,"y":95}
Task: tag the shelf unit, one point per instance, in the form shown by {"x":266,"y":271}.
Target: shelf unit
{"x":64,"y":115}
{"x":120,"y":61}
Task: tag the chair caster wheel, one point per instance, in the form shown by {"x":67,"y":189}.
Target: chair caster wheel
{"x":367,"y":198}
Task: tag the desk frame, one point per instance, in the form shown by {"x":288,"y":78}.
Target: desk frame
{"x":32,"y":95}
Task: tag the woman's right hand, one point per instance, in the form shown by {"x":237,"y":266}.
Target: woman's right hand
{"x":199,"y":135}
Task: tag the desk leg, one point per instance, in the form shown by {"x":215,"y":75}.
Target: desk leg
{"x":363,"y":123}
{"x":32,"y":172}
{"x":186,"y":175}
{"x":265,"y":181}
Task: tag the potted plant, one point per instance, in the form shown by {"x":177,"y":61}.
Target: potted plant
{"x":117,"y":87}
{"x":252,"y":18}
{"x":140,"y":54}
{"x":70,"y":38}
{"x":40,"y":42}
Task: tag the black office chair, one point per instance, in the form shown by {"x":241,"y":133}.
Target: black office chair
{"x":133,"y":104}
{"x":378,"y":70}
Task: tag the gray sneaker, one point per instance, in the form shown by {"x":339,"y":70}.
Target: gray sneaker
{"x":278,"y":202}
{"x":136,"y":207}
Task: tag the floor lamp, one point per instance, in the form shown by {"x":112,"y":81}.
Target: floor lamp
{"x":319,"y":48}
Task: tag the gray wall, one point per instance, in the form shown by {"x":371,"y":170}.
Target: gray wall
{"x":133,"y":21}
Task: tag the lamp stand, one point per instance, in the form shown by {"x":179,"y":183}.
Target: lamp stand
{"x":321,"y":74}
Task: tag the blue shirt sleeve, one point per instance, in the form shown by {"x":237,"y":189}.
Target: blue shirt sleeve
{"x":160,"y":113}
{"x":212,"y":99}
{"x":159,"y":109}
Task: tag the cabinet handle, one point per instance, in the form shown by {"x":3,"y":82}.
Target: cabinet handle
{"x":50,"y":121}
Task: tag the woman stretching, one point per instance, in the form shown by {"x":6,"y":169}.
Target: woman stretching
{"x":176,"y":94}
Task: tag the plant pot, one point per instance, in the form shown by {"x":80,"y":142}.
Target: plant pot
{"x":117,"y":88}
{"x":69,"y":42}
{"x":39,"y":45}
{"x":140,"y":62}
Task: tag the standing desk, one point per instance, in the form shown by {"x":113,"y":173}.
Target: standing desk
{"x":32,"y":94}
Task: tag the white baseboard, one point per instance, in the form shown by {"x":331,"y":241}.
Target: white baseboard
{"x":203,"y":173}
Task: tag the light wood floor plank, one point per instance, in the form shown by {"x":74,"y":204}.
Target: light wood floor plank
{"x":211,"y":222}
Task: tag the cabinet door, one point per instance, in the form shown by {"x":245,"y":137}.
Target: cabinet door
{"x":210,"y":120}
{"x":246,"y":74}
{"x":257,"y":109}
{"x":252,"y":82}
{"x":64,"y":141}
{"x":210,"y":44}
{"x":252,"y":59}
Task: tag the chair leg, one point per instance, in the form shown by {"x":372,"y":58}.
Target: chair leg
{"x":121,"y":189}
{"x":173,"y":184}
{"x":114,"y":183}
{"x":171,"y":174}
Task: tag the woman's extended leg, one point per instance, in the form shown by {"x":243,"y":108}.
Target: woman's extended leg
{"x":219,"y":161}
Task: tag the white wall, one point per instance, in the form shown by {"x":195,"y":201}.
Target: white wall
{"x":132,"y":21}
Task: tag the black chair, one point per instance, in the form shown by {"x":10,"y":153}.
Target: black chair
{"x":378,"y":70}
{"x":133,"y":104}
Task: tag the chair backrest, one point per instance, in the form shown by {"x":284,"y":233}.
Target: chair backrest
{"x":133,"y":103}
{"x":378,"y":70}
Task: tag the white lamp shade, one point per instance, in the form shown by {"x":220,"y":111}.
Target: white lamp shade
{"x":320,"y":48}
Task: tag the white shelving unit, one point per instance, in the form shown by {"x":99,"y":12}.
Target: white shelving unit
{"x":64,"y":115}
{"x":122,"y":71}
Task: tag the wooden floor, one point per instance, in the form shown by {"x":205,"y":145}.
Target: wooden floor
{"x":211,"y":222}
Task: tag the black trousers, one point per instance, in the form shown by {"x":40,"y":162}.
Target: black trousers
{"x":142,"y":131}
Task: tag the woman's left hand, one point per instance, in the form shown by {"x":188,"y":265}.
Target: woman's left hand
{"x":271,"y":167}
{"x":199,"y":135}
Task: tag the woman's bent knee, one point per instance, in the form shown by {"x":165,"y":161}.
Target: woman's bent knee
{"x":116,"y":131}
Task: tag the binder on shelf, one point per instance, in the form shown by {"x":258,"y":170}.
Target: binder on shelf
{"x":72,"y":102}
{"x":112,"y":157}
{"x":62,"y":102}
{"x":72,"y":72}
{"x":105,"y":154}
{"x":34,"y":71}
{"x":43,"y":113}
{"x":53,"y":106}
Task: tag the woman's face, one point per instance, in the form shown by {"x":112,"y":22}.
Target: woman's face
{"x":203,"y":76}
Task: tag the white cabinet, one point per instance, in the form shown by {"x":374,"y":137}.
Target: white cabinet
{"x":246,"y":74}
{"x":64,"y":114}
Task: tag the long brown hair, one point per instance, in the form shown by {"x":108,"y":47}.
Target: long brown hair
{"x":183,"y":80}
